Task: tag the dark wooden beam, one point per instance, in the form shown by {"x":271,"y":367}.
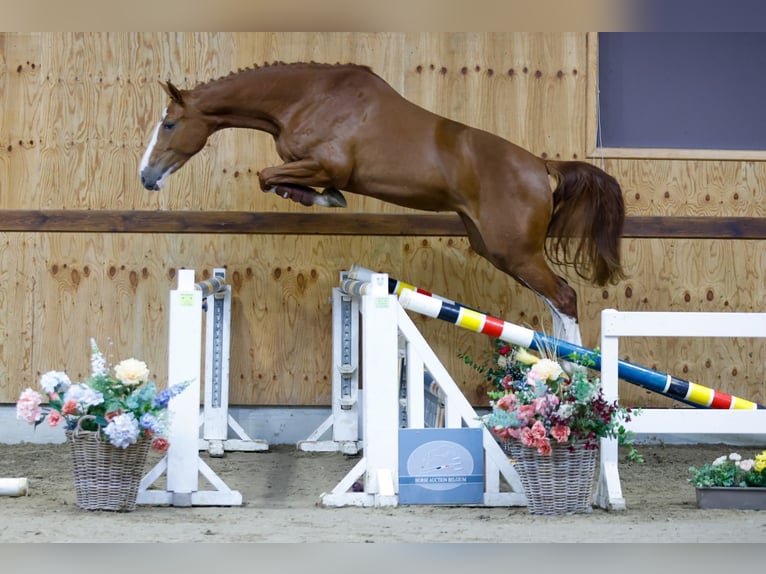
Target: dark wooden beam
{"x":229,"y":222}
{"x":275,"y":223}
{"x":696,"y":227}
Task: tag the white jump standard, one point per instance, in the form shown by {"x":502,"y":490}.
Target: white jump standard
{"x":343,"y":422}
{"x":182,"y":463}
{"x":216,"y":420}
{"x":383,"y":321}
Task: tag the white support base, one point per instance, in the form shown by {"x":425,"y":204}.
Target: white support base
{"x":341,"y":495}
{"x":218,"y":447}
{"x":222,"y":496}
{"x":315,"y":443}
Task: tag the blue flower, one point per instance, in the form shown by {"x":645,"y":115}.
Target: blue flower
{"x":163,"y":397}
{"x":152,"y":423}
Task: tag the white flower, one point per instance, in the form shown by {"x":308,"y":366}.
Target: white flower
{"x":55,"y":381}
{"x":547,"y":370}
{"x":565,"y":411}
{"x":131,"y":372}
{"x":84,"y":396}
{"x":720,"y":460}
{"x":122,"y":430}
{"x":735,"y":457}
{"x":97,"y":361}
{"x":746,"y":465}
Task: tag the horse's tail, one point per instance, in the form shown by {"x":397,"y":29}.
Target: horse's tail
{"x":587,"y":221}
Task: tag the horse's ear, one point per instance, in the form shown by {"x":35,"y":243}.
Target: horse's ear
{"x":173,"y":92}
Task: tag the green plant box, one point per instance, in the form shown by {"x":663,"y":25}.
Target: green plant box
{"x":732,"y":497}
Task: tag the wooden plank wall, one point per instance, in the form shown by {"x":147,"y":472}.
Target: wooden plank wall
{"x":75,"y":114}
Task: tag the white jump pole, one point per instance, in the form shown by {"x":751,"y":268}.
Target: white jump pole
{"x":14,"y":486}
{"x":182,"y":463}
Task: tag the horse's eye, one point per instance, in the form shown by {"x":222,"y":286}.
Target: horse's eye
{"x":168,"y":125}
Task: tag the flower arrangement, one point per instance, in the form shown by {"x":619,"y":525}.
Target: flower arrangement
{"x":124,"y":407}
{"x":731,"y":471}
{"x":538,"y":403}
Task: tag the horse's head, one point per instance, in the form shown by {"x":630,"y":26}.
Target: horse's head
{"x":181,"y":133}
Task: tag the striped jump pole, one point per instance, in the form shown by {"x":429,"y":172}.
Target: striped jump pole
{"x":425,"y":303}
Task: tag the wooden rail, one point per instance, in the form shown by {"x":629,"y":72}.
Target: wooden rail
{"x":270,"y":223}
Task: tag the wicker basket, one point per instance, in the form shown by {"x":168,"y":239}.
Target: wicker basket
{"x":561,"y":483}
{"x":106,"y":477}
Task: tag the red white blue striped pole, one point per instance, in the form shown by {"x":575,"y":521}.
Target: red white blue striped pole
{"x":425,"y":303}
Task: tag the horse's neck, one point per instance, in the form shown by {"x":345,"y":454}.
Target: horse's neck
{"x":253,"y":99}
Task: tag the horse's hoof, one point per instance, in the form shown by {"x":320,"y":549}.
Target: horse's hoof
{"x":330,"y":197}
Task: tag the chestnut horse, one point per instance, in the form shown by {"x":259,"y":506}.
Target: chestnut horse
{"x":342,"y":128}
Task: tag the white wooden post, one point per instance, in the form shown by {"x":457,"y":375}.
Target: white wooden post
{"x":184,"y":358}
{"x":380,"y":357}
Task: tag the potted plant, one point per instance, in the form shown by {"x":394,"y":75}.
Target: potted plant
{"x":731,"y":481}
{"x":110,"y":422}
{"x":550,"y":422}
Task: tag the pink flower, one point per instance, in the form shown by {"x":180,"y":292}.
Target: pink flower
{"x":69,"y":408}
{"x":160,"y":444}
{"x":544,"y":447}
{"x":532,"y":377}
{"x":538,"y":430}
{"x":540,"y":404}
{"x":560,"y":433}
{"x":526,"y":413}
{"x":506,"y":402}
{"x":54,"y":418}
{"x":527,"y":437}
{"x":28,"y":407}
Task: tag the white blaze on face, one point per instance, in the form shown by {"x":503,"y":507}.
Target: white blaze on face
{"x":152,"y":143}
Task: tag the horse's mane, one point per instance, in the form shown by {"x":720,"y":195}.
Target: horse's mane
{"x":279,"y":64}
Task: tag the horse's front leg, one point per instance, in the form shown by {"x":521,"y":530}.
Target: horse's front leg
{"x":296,"y":180}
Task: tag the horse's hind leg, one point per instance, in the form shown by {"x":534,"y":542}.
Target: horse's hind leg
{"x":560,"y":298}
{"x":525,"y":262}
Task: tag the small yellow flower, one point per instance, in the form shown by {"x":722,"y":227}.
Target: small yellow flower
{"x":524,"y":356}
{"x":760,"y":462}
{"x":131,"y":372}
